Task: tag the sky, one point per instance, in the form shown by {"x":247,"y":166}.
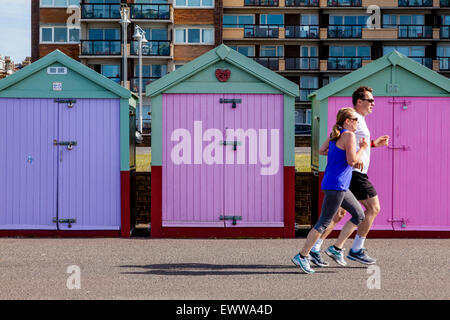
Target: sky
{"x":15,"y":29}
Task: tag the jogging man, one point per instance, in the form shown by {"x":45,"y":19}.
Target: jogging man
{"x":360,"y":186}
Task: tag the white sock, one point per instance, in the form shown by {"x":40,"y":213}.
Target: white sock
{"x":358,"y":243}
{"x":317,"y":245}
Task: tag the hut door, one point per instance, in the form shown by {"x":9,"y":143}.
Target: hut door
{"x":421,"y":165}
{"x":27,"y":164}
{"x":192,"y":182}
{"x":253,"y":173}
{"x":89,"y":165}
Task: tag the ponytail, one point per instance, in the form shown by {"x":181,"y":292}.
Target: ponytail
{"x":341,"y":116}
{"x":335,"y":132}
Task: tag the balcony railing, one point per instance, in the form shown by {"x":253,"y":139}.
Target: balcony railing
{"x":345,"y":31}
{"x":415,"y":32}
{"x":134,"y":82}
{"x":261,"y":31}
{"x":445,"y":32}
{"x":444,"y":63}
{"x":415,"y":3}
{"x":100,"y":11}
{"x":445,"y":3}
{"x":152,"y":48}
{"x":302,"y":32}
{"x":345,"y":3}
{"x":154,"y":11}
{"x":427,"y":62}
{"x":115,"y":79}
{"x":345,"y":63}
{"x":261,"y":3}
{"x":271,"y":63}
{"x":304,"y":93}
{"x":101,"y":47}
{"x":302,"y":63}
{"x":302,"y":3}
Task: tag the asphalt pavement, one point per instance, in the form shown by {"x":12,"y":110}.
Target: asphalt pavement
{"x":212,"y":269}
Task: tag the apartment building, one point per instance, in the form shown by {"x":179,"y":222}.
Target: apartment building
{"x":310,"y":42}
{"x":314,"y":42}
{"x":91,"y":31}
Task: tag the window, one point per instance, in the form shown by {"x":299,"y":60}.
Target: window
{"x":350,"y":51}
{"x":391,"y":20}
{"x":60,"y":3}
{"x":309,"y":20}
{"x":248,"y":51}
{"x":413,"y":51}
{"x":271,"y":51}
{"x":151,"y":70}
{"x":156,"y":34}
{"x":60,"y":35}
{"x":308,"y":85}
{"x":194,"y":36}
{"x":104,"y":34}
{"x":272,"y":19}
{"x":237,"y":21}
{"x":348,"y":20}
{"x":194,"y":4}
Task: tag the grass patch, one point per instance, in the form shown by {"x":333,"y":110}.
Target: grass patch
{"x":302,"y":162}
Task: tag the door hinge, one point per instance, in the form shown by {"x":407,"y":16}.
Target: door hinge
{"x":234,"y":218}
{"x":403,"y":221}
{"x":69,"y":221}
{"x":232,"y":101}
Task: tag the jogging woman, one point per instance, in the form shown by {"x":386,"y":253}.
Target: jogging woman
{"x":342,"y":156}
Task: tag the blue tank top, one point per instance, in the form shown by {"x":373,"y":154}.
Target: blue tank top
{"x":337,"y":172}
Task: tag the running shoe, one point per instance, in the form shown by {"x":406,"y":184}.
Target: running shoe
{"x":336,"y":255}
{"x":361,"y":256}
{"x":303,"y":263}
{"x":316,"y":257}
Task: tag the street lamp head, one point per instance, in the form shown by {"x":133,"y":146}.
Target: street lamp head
{"x":124,"y":15}
{"x":137,"y":33}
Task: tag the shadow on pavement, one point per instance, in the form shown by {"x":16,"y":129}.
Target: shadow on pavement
{"x":204,"y":269}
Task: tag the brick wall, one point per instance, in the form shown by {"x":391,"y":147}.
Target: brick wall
{"x":196,"y":16}
{"x":72,"y":50}
{"x":306,"y":197}
{"x":142,"y":189}
{"x":190,"y":52}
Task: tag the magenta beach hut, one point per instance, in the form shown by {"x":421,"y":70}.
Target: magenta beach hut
{"x":223,"y":149}
{"x":412,"y":175}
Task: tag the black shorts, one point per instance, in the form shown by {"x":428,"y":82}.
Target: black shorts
{"x":361,"y":187}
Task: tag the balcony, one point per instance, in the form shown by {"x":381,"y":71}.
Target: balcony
{"x":152,"y":48}
{"x":445,"y":32}
{"x":100,"y":11}
{"x":261,"y":3}
{"x":150,"y":11}
{"x":415,"y":32}
{"x":344,"y":3}
{"x":345,"y":63}
{"x":302,"y":32}
{"x":302,"y":63}
{"x":415,"y":3}
{"x":134,"y":82}
{"x":302,"y":3}
{"x":445,"y":3}
{"x":444,"y":63}
{"x":304,"y":93}
{"x":272,"y":63}
{"x":261,"y":31}
{"x":101,"y":47}
{"x":344,"y":31}
{"x":427,"y":62}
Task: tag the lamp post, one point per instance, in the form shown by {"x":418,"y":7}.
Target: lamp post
{"x":139,"y":35}
{"x":124,"y":21}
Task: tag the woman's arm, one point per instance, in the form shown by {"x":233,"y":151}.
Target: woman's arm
{"x":323,"y":151}
{"x":350,"y":147}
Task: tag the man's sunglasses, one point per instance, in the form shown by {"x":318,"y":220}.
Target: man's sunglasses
{"x":368,"y":100}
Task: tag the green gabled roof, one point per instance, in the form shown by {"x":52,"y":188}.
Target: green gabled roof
{"x":392,"y":59}
{"x":59,"y":57}
{"x":231,"y":56}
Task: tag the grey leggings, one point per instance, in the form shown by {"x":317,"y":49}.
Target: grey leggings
{"x":331,"y":203}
